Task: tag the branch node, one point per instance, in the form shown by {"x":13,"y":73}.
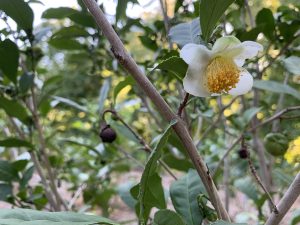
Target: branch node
{"x":119,"y":56}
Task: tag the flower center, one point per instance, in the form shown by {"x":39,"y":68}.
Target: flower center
{"x":222,"y":74}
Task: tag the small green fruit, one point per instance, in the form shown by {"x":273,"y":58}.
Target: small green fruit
{"x":276,"y":144}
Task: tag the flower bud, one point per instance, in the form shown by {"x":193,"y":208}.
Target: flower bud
{"x":107,"y":134}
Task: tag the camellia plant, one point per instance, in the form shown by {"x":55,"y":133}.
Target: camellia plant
{"x":185,"y":115}
{"x":219,"y":70}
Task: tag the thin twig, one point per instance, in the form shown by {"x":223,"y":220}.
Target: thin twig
{"x":276,"y":116}
{"x":166,"y":20}
{"x":270,"y":119}
{"x":183,"y":104}
{"x":76,"y":195}
{"x":256,"y":141}
{"x":289,"y":117}
{"x":227,"y":160}
{"x":286,"y":202}
{"x":227,"y":153}
{"x":36,"y":120}
{"x":181,"y":111}
{"x":259,"y":148}
{"x":34,"y":111}
{"x":214,"y":124}
{"x":184,"y":114}
{"x":282,"y":50}
{"x":143,"y":82}
{"x":38,"y":167}
{"x":129,"y":156}
{"x":275,"y":124}
{"x":146,"y":147}
{"x":253,"y":171}
{"x":150,"y":111}
{"x":139,"y":138}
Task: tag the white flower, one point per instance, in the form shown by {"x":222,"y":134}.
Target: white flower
{"x":217,"y":71}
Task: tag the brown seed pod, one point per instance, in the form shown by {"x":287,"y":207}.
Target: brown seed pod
{"x":107,"y":134}
{"x":243,"y":153}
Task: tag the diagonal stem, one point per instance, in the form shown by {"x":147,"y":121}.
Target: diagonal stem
{"x":36,"y":119}
{"x":48,"y":192}
{"x":270,"y":119}
{"x":286,"y":202}
{"x":146,"y":147}
{"x":180,"y":128}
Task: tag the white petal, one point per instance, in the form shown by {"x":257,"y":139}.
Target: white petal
{"x":225,"y":43}
{"x":192,"y":53}
{"x":193,"y":82}
{"x":249,"y":50}
{"x":244,"y":85}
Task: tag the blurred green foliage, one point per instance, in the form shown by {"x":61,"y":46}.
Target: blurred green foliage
{"x":62,"y":74}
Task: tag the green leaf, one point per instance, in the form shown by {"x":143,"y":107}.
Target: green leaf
{"x":14,"y":142}
{"x":14,"y":109}
{"x":151,"y":191}
{"x":121,"y":8}
{"x":184,"y":194}
{"x":7,"y":171}
{"x":282,"y":177}
{"x":58,"y":13}
{"x":292,"y":64}
{"x":20,"y":165}
{"x":175,"y":142}
{"x":250,"y":113}
{"x":250,"y":35}
{"x":167,"y":217}
{"x":151,"y":164}
{"x":65,"y":44}
{"x":83,"y":19}
{"x":210,"y":12}
{"x":177,"y":163}
{"x":185,"y":33}
{"x":122,"y":84}
{"x":71,"y":103}
{"x":5,"y":191}
{"x":123,"y":131}
{"x":36,"y":1}
{"x":295,"y":218}
{"x":124,"y":192}
{"x":27,"y":176}
{"x":148,"y":42}
{"x":89,"y":147}
{"x":104,"y":93}
{"x":33,"y":217}
{"x":70,"y":32}
{"x":247,"y":186}
{"x":26,"y":82}
{"x":276,"y":87}
{"x":265,"y":20}
{"x":175,"y":65}
{"x":82,"y":5}
{"x":9,"y":59}
{"x":178,"y":4}
{"x":221,"y":222}
{"x":80,"y":17}
{"x":151,"y":194}
{"x":288,"y":30}
{"x":19,"y":11}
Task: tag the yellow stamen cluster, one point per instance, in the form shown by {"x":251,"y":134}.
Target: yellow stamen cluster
{"x":222,"y":74}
